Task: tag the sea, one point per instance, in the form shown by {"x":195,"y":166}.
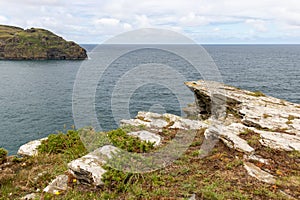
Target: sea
{"x":38,"y":98}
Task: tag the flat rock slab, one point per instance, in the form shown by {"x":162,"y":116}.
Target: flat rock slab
{"x":30,"y":148}
{"x":59,"y":184}
{"x":229,"y":135}
{"x":147,"y":136}
{"x":281,"y":141}
{"x":259,"y":174}
{"x":161,"y":121}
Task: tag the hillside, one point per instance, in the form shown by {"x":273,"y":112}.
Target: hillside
{"x":36,"y":44}
{"x":235,"y":144}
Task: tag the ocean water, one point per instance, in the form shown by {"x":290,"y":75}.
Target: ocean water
{"x":36,"y":96}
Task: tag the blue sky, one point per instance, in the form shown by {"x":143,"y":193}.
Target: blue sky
{"x":205,"y":21}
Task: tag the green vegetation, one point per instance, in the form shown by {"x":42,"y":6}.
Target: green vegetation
{"x":3,"y":154}
{"x":257,"y":94}
{"x":119,"y":138}
{"x":291,"y":117}
{"x":36,"y":44}
{"x":219,"y":176}
{"x":68,"y":144}
{"x":266,"y":115}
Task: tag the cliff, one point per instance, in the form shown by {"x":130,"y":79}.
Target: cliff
{"x":36,"y":44}
{"x":235,"y":144}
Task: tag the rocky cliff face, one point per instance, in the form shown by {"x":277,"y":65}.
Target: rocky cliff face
{"x":36,"y":44}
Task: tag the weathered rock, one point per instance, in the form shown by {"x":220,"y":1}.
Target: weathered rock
{"x":59,"y":184}
{"x":229,"y":135}
{"x":160,"y":121}
{"x":281,"y":141}
{"x":258,"y":158}
{"x":147,"y":136}
{"x":88,"y":168}
{"x":253,"y":108}
{"x":30,"y":148}
{"x":29,"y":196}
{"x":259,"y":174}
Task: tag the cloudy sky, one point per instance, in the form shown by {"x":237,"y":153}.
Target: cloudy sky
{"x":205,"y":21}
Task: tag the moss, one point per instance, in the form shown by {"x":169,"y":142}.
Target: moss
{"x":3,"y":154}
{"x":266,"y":115}
{"x":291,"y":117}
{"x":257,"y":94}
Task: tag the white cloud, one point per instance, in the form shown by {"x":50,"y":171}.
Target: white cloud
{"x":108,"y":21}
{"x":94,"y":20}
{"x":193,"y":20}
{"x":3,"y":19}
{"x":258,"y":25}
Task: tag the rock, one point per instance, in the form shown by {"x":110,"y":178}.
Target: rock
{"x":30,"y":148}
{"x":160,"y":121}
{"x":147,"y":136}
{"x":29,"y":196}
{"x":36,"y":44}
{"x":107,"y":150}
{"x":88,"y":168}
{"x":193,"y":197}
{"x":229,"y":135}
{"x":253,"y":109}
{"x":256,"y":158}
{"x":281,"y":141}
{"x":59,"y":184}
{"x":259,"y":174}
{"x":279,"y":119}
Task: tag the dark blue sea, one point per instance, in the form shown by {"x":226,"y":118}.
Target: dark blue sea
{"x":36,"y":96}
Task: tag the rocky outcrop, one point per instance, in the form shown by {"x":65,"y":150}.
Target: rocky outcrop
{"x":36,"y":44}
{"x":276,"y":121}
{"x":264,"y":120}
{"x":159,"y":121}
{"x":30,"y":148}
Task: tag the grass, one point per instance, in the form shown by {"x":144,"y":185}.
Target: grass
{"x":36,"y":43}
{"x":219,"y":176}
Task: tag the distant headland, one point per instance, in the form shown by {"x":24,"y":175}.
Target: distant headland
{"x":36,"y":44}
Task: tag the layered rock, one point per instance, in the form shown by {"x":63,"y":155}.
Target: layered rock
{"x":275,"y":120}
{"x":234,"y":113}
{"x":36,"y":44}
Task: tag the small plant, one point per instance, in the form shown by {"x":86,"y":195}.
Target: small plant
{"x":234,"y":164}
{"x":257,"y":94}
{"x":246,"y":132}
{"x":291,"y":117}
{"x":266,"y":115}
{"x":69,"y":144}
{"x":294,"y":154}
{"x":3,"y":154}
{"x":129,"y":143}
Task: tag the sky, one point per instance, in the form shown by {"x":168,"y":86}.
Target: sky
{"x":204,"y":21}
